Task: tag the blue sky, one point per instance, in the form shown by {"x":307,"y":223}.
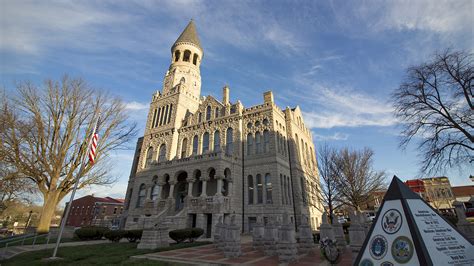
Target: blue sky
{"x":338,"y":60}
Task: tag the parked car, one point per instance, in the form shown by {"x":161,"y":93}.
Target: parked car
{"x":341,"y":220}
{"x":470,"y":212}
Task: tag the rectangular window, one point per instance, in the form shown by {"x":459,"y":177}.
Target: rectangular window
{"x":259,"y":189}
{"x":250,"y":189}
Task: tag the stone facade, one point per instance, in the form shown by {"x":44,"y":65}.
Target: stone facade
{"x":201,"y":158}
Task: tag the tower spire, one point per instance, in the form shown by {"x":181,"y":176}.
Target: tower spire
{"x":189,"y":35}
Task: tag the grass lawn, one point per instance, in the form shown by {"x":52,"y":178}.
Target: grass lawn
{"x":39,"y":240}
{"x":99,"y":254}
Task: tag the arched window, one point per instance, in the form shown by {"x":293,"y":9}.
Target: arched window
{"x":154,"y":119}
{"x":302,"y":152}
{"x":265,"y":122}
{"x":141,"y":195}
{"x":197,"y":188}
{"x":170,"y":113}
{"x":259,"y":189}
{"x":297,"y":145}
{"x":278,"y":141}
{"x":157,"y":117}
{"x":195,"y":144}
{"x":216,"y":112}
{"x":288,"y":188}
{"x":154,"y":189}
{"x":283,"y":190}
{"x":199,"y":117}
{"x":165,"y":117}
{"x":186,"y":56}
{"x":268,"y":188}
{"x":217,"y":141}
{"x":266,"y":141}
{"x":195,"y":58}
{"x":249,"y":144}
{"x":303,"y":190}
{"x":258,"y":143}
{"x":149,"y":157}
{"x":177,"y":54}
{"x":184,"y":147}
{"x":250,"y":188}
{"x":162,"y":153}
{"x":208,"y":113}
{"x":166,"y":188}
{"x":229,"y":139}
{"x":205,"y":142}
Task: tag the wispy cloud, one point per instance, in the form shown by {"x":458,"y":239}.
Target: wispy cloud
{"x":135,"y":106}
{"x":437,"y":16}
{"x":334,"y":137}
{"x":343,"y":107}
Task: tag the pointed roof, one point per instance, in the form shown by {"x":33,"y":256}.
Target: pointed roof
{"x":398,"y":190}
{"x":189,"y":35}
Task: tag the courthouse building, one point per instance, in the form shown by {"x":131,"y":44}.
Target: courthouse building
{"x":201,"y":157}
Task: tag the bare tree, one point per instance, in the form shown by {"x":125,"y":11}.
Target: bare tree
{"x":329,"y":193}
{"x":435,"y":104}
{"x":356,"y":179}
{"x":44,"y":137}
{"x":13,"y":189}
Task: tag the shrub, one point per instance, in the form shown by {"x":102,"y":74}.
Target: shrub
{"x":133,"y":235}
{"x":90,"y":233}
{"x":182,"y":235}
{"x":114,"y":235}
{"x":195,"y":234}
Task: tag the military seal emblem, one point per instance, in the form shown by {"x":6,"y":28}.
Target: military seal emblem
{"x":402,"y":249}
{"x":378,"y":247}
{"x":391,"y":221}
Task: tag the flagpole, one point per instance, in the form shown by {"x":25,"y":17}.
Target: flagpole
{"x":76,"y":183}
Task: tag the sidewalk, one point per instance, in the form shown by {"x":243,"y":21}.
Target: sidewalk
{"x":15,"y":250}
{"x":209,"y":255}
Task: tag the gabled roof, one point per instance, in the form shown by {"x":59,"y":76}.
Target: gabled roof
{"x":189,"y":35}
{"x":463,"y":191}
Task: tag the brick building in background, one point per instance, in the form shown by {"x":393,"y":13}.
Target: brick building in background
{"x":90,"y":210}
{"x":436,"y":191}
{"x":463,"y":193}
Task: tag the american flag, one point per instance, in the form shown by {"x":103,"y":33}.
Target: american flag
{"x":94,"y":140}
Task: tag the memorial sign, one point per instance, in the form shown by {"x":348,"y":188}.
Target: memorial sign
{"x":408,"y":231}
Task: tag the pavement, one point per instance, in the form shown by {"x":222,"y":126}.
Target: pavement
{"x":10,"y":252}
{"x":210,"y":255}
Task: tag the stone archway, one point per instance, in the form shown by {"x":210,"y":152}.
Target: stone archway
{"x":212,"y":183}
{"x":181,"y":190}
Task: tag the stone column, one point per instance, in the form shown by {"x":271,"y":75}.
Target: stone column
{"x":257,"y":234}
{"x":233,"y":247}
{"x":204,"y":186}
{"x":218,"y":237}
{"x":306,"y":241}
{"x":161,"y":183}
{"x":326,"y":229}
{"x":190,"y":186}
{"x":463,"y":225}
{"x":356,"y":235}
{"x":287,"y":247}
{"x":270,"y":237}
{"x":229,"y":188}
{"x":219,"y":185}
{"x":172,"y":183}
{"x":339,"y":234}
